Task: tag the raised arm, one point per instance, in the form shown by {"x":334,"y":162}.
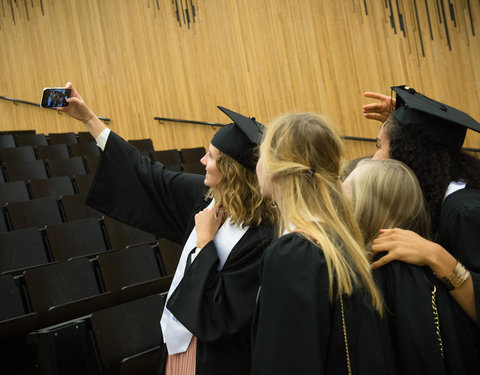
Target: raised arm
{"x":407,"y":246}
{"x":78,"y":109}
{"x":379,"y":110}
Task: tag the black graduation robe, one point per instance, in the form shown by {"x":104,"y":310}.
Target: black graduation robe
{"x":410,"y":312}
{"x":297,"y":330}
{"x":459,"y":233}
{"x":216,"y":306}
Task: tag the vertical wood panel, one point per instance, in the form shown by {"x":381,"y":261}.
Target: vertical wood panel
{"x":132,"y":61}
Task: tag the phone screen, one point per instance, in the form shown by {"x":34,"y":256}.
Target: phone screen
{"x":55,"y":97}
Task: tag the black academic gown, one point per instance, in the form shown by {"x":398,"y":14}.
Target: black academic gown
{"x":459,"y":233}
{"x":297,"y":330}
{"x":410,"y":311}
{"x":216,"y":306}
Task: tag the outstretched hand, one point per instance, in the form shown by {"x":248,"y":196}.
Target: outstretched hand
{"x":379,"y":110}
{"x":207,"y":223}
{"x":76,"y":108}
{"x":402,"y":245}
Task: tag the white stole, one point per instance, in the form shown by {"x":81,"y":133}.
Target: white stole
{"x":175,"y":335}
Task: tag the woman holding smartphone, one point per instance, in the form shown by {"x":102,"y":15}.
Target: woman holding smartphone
{"x":318,"y":310}
{"x":221,"y":219}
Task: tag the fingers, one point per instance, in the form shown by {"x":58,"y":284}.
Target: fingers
{"x":374,"y":95}
{"x":382,"y":261}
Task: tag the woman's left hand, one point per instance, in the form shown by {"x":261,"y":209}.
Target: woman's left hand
{"x":207,"y":223}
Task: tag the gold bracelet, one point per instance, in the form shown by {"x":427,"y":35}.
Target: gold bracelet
{"x":456,"y":278}
{"x":88,"y":119}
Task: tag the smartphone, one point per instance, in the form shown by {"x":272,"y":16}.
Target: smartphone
{"x":53,"y":97}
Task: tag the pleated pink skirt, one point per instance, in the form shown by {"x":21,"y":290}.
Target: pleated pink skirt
{"x":183,"y":363}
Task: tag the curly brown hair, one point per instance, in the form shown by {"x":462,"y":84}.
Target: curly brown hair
{"x":238,"y":193}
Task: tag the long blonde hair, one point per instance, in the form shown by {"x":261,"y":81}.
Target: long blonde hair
{"x":301,"y":153}
{"x":238,"y":193}
{"x":386,"y":194}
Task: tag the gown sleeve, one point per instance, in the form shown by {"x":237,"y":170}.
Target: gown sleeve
{"x":292,"y":322}
{"x":131,"y":188}
{"x":459,"y":233}
{"x":216,"y":304}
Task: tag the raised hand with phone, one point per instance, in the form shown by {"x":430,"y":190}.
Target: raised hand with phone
{"x":78,"y":109}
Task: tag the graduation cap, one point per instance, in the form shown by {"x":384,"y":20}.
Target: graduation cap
{"x":444,"y":125}
{"x":239,"y":139}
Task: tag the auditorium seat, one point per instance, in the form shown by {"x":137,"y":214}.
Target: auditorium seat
{"x":194,"y":167}
{"x":35,"y":213}
{"x":84,"y":149}
{"x":14,"y":191}
{"x":25,"y":170}
{"x":76,"y":238}
{"x":3,"y":221}
{"x":21,"y":249}
{"x":170,"y":158}
{"x":53,"y":151}
{"x":85,"y":137}
{"x":121,"y":235}
{"x":91,"y":162}
{"x":67,"y":138}
{"x":31,"y":140}
{"x":132,"y":273}
{"x":22,"y":153}
{"x":7,"y":140}
{"x":62,"y":291}
{"x":128,"y":336}
{"x":2,"y":177}
{"x":51,"y":187}
{"x":15,"y":319}
{"x":75,"y":208}
{"x":145,"y":146}
{"x":193,"y":154}
{"x":83,"y":182}
{"x":170,"y":255}
{"x":66,"y":167}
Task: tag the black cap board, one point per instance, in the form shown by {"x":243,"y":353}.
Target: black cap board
{"x":444,"y":125}
{"x":239,"y":139}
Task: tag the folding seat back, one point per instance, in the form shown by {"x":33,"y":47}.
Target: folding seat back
{"x":7,"y":140}
{"x":54,"y":151}
{"x":84,"y":149}
{"x":25,"y":170}
{"x":67,"y":138}
{"x":193,"y":154}
{"x":66,"y":167}
{"x":92,"y":162}
{"x":167,"y":157}
{"x":14,"y":191}
{"x":75,"y":208}
{"x":145,"y":146}
{"x":3,"y":221}
{"x":194,"y":167}
{"x":129,"y":332}
{"x":170,"y":255}
{"x":62,"y":291}
{"x":21,"y":249}
{"x":76,"y":238}
{"x":83,"y":183}
{"x":51,"y":187}
{"x":121,"y":235}
{"x":23,"y":153}
{"x":35,"y":213}
{"x":31,"y":139}
{"x":85,"y":137}
{"x":14,"y":317}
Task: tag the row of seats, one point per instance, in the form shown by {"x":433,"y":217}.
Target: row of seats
{"x":44,"y":187}
{"x":55,"y":151}
{"x":30,"y":138}
{"x":30,"y":247}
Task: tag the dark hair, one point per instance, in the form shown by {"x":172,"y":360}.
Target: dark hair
{"x":434,"y":165}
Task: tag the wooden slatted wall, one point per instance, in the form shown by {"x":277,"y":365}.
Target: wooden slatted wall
{"x":132,"y":60}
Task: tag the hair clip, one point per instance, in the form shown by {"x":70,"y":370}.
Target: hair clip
{"x":311,"y":172}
